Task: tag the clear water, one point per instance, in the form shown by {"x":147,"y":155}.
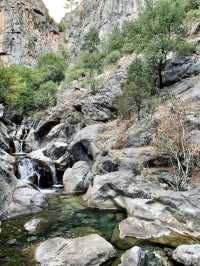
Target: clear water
{"x":65,"y":217}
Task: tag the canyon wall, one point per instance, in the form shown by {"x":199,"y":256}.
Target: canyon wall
{"x":26,"y":31}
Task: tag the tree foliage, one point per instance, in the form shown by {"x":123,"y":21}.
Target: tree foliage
{"x":24,"y":89}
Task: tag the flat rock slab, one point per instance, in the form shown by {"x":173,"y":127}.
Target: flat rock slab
{"x":90,"y":250}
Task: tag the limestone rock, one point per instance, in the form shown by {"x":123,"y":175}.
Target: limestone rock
{"x":132,"y":257}
{"x":188,"y":255}
{"x":166,"y":217}
{"x":82,"y":147}
{"x":34,"y":226}
{"x":26,"y":31}
{"x":16,"y":197}
{"x":90,"y":250}
{"x":75,"y":178}
{"x":107,"y":14}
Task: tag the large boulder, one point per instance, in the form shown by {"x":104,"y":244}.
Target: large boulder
{"x":75,"y":178}
{"x":161,"y":217}
{"x":90,"y":250}
{"x":82,"y":147}
{"x":180,"y":68}
{"x":188,"y":255}
{"x":105,"y":188}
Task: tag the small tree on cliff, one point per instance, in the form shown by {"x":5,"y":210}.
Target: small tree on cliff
{"x":158,"y":31}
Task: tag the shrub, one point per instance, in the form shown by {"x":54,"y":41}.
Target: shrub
{"x":52,"y":67}
{"x":114,"y":42}
{"x":45,"y":95}
{"x":135,"y":89}
{"x":159,"y":30}
{"x":172,"y":139}
{"x":112,"y":57}
{"x":61,"y":26}
{"x":24,"y":89}
{"x":90,"y":41}
{"x":85,"y":65}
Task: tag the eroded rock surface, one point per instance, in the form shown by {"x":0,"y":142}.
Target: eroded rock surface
{"x":188,"y":255}
{"x":90,"y":250}
{"x":26,"y":31}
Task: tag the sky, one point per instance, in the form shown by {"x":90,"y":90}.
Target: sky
{"x":56,"y":8}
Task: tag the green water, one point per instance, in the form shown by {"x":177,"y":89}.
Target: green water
{"x":65,"y":217}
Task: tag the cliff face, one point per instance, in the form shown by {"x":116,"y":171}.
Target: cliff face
{"x":104,"y":15}
{"x":26,"y":30}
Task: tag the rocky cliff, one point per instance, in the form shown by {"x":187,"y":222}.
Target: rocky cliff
{"x":103,"y":15}
{"x":26,"y":31}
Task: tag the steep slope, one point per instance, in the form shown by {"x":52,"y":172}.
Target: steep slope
{"x":103,"y":15}
{"x":26,"y":31}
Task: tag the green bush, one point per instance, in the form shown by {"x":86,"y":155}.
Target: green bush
{"x":45,"y":95}
{"x":85,"y":65}
{"x":24,"y":89}
{"x":114,"y":42}
{"x":135,"y":89}
{"x":61,"y":26}
{"x":90,"y":41}
{"x":52,"y":67}
{"x":112,"y":57}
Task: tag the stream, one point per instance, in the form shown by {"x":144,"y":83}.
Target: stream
{"x":65,"y":217}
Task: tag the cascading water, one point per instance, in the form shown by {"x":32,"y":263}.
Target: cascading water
{"x":53,"y":174}
{"x":18,"y":146}
{"x":27,"y":170}
{"x":34,"y":170}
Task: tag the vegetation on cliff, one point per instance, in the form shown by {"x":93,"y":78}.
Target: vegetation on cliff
{"x":24,"y":89}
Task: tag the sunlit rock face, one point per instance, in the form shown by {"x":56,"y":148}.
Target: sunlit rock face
{"x":26,"y":31}
{"x":104,"y":15}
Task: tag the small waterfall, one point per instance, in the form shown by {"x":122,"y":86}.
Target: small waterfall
{"x":27,"y":170}
{"x":18,"y":146}
{"x":53,"y":174}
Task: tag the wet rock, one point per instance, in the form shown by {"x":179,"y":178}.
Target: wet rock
{"x":133,"y":257}
{"x":5,"y":138}
{"x":16,"y":196}
{"x":75,"y":178}
{"x":188,"y":255}
{"x":90,"y":250}
{"x":35,"y":226}
{"x":55,"y":149}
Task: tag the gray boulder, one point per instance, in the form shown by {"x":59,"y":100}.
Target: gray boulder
{"x":75,"y":178}
{"x":162,"y":217}
{"x":188,"y":255}
{"x":180,"y":68}
{"x":132,"y":257}
{"x":83,"y":147}
{"x":90,"y":250}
